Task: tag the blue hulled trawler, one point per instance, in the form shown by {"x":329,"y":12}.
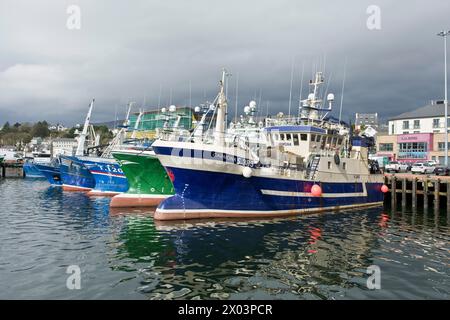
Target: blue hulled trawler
{"x":286,"y":166}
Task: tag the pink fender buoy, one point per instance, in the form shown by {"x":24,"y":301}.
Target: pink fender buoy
{"x":316,"y":190}
{"x":384,"y":188}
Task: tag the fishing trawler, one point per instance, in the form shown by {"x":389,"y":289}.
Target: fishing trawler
{"x":298,"y":165}
{"x":149,"y":182}
{"x":30,"y":167}
{"x":74,"y":175}
{"x":51,"y":171}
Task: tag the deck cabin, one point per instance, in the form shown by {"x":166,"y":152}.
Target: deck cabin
{"x":302,"y":140}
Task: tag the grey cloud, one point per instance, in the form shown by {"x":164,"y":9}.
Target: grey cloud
{"x":127,"y":50}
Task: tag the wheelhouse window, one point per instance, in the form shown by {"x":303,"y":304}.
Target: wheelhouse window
{"x":303,"y":137}
{"x":295,"y":140}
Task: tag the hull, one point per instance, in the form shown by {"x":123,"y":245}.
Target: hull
{"x":148,"y":182}
{"x":217,"y":189}
{"x":31,"y":171}
{"x":109,"y":177}
{"x":52,"y":173}
{"x":74,"y":175}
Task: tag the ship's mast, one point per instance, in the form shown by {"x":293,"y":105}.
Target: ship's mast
{"x":221,"y":113}
{"x":312,"y":107}
{"x":82,"y":136}
{"x":136,"y":125}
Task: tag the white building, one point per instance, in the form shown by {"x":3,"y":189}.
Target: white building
{"x":58,"y":127}
{"x":427,"y":119}
{"x":63,"y":146}
{"x":366,"y":119}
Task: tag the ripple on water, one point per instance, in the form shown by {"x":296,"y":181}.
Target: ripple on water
{"x":125,"y":254}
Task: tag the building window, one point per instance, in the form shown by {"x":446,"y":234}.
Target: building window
{"x":386,"y":147}
{"x":436,"y":123}
{"x":441,"y":146}
{"x":416,"y":124}
{"x":405,"y":125}
{"x":412,"y":150}
{"x":392,"y":129}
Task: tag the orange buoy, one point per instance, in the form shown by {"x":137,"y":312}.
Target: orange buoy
{"x":384,"y":188}
{"x":316,"y":190}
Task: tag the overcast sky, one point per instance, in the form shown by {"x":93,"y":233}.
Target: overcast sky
{"x":128,"y":50}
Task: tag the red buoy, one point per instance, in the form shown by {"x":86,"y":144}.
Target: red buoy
{"x":316,"y":190}
{"x":384,"y":188}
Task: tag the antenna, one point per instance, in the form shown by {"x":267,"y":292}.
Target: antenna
{"x":190,"y":94}
{"x":343,"y":87}
{"x":301,"y":84}
{"x":159,"y":97}
{"x":290,"y":90}
{"x":237,"y":92}
{"x":115,"y":118}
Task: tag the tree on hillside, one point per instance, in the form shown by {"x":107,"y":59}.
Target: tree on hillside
{"x":6,"y":127}
{"x":40,"y":129}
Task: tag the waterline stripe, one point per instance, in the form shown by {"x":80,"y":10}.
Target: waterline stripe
{"x":308,"y":194}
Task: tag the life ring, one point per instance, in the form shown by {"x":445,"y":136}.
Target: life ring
{"x":337,"y":160}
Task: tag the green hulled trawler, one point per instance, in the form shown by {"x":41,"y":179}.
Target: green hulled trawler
{"x":148,"y":182}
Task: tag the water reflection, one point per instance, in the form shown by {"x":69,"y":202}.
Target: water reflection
{"x":125,"y":253}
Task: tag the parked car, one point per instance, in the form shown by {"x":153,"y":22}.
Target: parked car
{"x":442,"y":171}
{"x":395,"y":166}
{"x":423,"y":168}
{"x":409,"y":166}
{"x":432,"y":162}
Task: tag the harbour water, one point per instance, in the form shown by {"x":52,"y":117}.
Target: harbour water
{"x":124,"y":254}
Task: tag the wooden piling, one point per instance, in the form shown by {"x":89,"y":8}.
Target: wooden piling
{"x":448,"y":196}
{"x":414,"y":193}
{"x":425,"y":194}
{"x":403,"y":192}
{"x":437,"y":185}
{"x":393,"y":191}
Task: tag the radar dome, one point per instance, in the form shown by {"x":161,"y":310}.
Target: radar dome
{"x":246,"y":109}
{"x":172,"y":108}
{"x":311,"y":96}
{"x":252,"y":104}
{"x":163,"y":110}
{"x":330,"y":97}
{"x":197,"y":109}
